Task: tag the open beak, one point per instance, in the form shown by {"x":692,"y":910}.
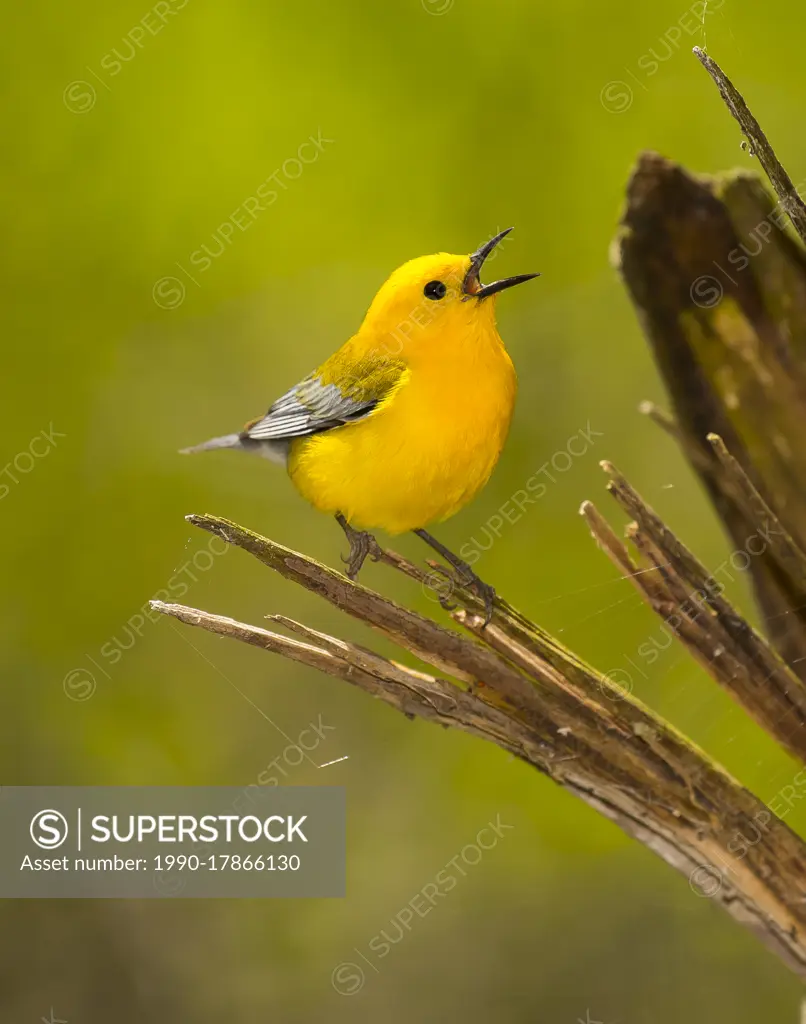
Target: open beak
{"x":472,"y":286}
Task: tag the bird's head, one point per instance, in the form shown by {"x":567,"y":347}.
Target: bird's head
{"x":436,"y":301}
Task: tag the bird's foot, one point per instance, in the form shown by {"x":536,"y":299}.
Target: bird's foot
{"x":465,"y":576}
{"x":362,"y":545}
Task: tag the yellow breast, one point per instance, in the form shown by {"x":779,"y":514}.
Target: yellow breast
{"x":424,"y":453}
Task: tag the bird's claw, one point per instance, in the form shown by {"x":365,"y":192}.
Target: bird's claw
{"x":483,"y":590}
{"x":488,"y":595}
{"x":362,"y":546}
{"x":463,"y":578}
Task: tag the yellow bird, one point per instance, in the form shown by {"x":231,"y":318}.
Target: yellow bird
{"x":404,"y":424}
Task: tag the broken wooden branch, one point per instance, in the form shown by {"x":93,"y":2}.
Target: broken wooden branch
{"x":690,"y":600}
{"x":759,"y":146}
{"x":720,"y":291}
{"x":514,"y":685}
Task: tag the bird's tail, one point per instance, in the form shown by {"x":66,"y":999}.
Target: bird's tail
{"x":274,"y":451}
{"x":227,"y":441}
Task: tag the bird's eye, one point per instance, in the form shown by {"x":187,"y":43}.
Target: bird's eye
{"x":434,"y":290}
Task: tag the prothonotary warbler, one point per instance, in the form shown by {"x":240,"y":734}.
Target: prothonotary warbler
{"x":403,"y":425}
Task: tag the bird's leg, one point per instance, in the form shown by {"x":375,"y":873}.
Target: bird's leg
{"x":467,"y":577}
{"x":361,"y":545}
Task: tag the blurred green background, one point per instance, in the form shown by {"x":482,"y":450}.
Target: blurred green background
{"x":130,"y":135}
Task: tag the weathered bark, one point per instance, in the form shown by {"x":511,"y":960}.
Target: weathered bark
{"x":691,"y":602}
{"x":759,"y":145}
{"x":728,"y":331}
{"x":513,"y":684}
{"x":720,"y":289}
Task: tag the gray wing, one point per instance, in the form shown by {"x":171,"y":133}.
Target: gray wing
{"x":313,"y":406}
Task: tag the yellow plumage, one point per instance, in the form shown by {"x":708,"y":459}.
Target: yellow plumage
{"x":431,"y":443}
{"x":403,"y":425}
